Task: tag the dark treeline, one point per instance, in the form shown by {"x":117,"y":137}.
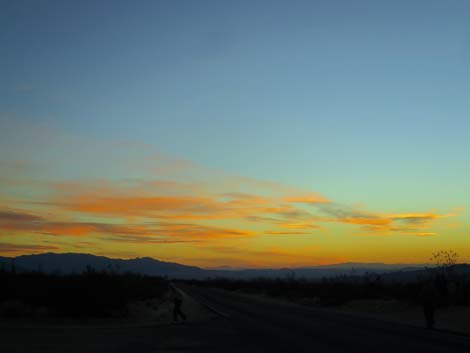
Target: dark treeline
{"x":89,"y":294}
{"x":341,"y":290}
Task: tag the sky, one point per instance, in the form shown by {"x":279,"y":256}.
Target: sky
{"x":244,"y":134}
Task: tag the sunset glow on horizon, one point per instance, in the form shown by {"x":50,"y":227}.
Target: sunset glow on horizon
{"x":244,"y":135}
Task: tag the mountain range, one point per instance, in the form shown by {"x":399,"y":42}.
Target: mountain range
{"x":77,"y":263}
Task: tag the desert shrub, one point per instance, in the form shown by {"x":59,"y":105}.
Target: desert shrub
{"x":90,"y":294}
{"x":330,"y":291}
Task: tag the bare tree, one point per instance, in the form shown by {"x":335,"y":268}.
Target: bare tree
{"x":445,"y":258}
{"x":444,"y":262}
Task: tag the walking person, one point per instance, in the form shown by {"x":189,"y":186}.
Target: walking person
{"x":177,"y":298}
{"x":429,"y":301}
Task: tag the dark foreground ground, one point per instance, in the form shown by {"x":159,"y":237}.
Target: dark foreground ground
{"x":244,"y":325}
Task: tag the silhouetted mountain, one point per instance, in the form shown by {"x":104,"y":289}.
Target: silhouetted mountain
{"x":5,"y":261}
{"x":76,"y":263}
{"x":414,"y":274}
{"x":311,"y":272}
{"x":366,"y":266}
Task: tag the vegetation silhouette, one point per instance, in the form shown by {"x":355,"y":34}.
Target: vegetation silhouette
{"x":89,"y":294}
{"x":107,"y":293}
{"x":440,"y":285}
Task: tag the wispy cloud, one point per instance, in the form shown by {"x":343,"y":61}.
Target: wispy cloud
{"x":310,"y":198}
{"x":149,"y":199}
{"x":280,"y":232}
{"x":161,"y":232}
{"x":380,"y":223}
{"x":14,"y":249}
{"x":10,"y":216}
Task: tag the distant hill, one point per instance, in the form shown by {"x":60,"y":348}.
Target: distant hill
{"x":411,"y":275}
{"x":77,"y":263}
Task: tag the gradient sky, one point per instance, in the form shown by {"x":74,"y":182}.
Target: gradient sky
{"x":241,"y":133}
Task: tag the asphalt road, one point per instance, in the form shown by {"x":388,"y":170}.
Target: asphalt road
{"x":270,"y":326}
{"x":243,"y":324}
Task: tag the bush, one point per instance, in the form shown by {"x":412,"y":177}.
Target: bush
{"x":91,"y":294}
{"x":330,"y":291}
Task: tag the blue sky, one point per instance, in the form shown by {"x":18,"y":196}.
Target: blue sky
{"x":363,"y":101}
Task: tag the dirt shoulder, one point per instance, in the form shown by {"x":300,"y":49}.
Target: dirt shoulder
{"x":452,"y":318}
{"x":149,"y":328}
{"x":156,"y":311}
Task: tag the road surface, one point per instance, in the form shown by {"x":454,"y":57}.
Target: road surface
{"x":242,"y":324}
{"x":270,"y":326}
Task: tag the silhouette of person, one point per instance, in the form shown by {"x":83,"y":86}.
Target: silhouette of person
{"x":429,"y":299}
{"x":177,"y":304}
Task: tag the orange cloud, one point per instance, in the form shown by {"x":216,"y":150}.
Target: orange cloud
{"x":308,"y":199}
{"x":200,"y":231}
{"x":173,"y":201}
{"x":276,"y":232}
{"x":126,"y":205}
{"x":419,"y":234}
{"x":159,"y":232}
{"x":377,"y":223}
{"x":417,"y":217}
{"x":383,"y":232}
{"x":299,"y":226}
{"x":374,"y":221}
{"x":140,"y":206}
{"x":17,"y":249}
